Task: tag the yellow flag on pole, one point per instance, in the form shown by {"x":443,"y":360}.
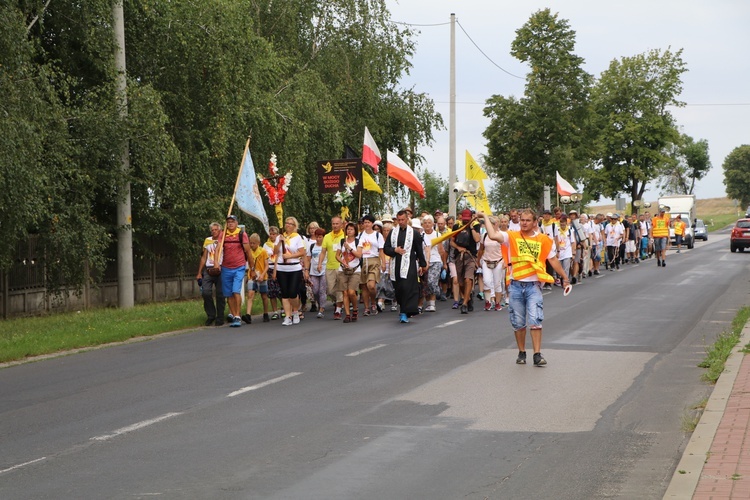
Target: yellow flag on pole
{"x":369,"y":183}
{"x":475,"y":173}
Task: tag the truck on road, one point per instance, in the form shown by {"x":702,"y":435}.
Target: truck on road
{"x":683,"y":205}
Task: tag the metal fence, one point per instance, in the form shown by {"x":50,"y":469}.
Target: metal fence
{"x":157,"y":276}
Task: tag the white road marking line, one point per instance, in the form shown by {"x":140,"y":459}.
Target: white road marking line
{"x":357,"y":353}
{"x":449,"y":323}
{"x":134,"y":427}
{"x":22,"y":465}
{"x":262,"y":384}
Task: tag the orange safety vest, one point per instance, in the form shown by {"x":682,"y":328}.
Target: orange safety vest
{"x":679,"y":227}
{"x":529,"y":255}
{"x":660,"y":226}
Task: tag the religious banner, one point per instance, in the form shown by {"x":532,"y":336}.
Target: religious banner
{"x":335,"y":176}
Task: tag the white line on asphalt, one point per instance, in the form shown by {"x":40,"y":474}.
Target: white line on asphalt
{"x":357,"y":353}
{"x":134,"y":427}
{"x":22,"y":465}
{"x":262,"y":384}
{"x":449,"y":323}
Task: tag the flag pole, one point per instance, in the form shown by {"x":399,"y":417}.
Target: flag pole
{"x":359,"y":207}
{"x":231,"y":203}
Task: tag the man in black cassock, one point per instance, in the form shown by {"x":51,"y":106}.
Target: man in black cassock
{"x":404,"y":247}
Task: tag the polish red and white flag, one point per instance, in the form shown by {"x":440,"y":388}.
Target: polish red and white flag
{"x":563,"y":187}
{"x":399,"y":170}
{"x":370,"y":152}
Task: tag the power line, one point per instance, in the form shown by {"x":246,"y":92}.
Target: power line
{"x":485,"y":55}
{"x":470,"y":39}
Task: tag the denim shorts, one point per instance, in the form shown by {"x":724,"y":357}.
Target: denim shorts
{"x":525,"y":300}
{"x":660,"y":244}
{"x":231,"y":280}
{"x":257,"y":286}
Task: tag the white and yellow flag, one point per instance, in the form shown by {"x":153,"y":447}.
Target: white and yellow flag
{"x":475,"y":173}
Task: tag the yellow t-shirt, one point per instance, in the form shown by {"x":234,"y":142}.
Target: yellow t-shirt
{"x":329,"y":240}
{"x":261,"y":264}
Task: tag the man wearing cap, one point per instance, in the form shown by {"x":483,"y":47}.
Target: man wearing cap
{"x":371,"y":245}
{"x":404,"y":246}
{"x":235,"y":254}
{"x":465,"y":247}
{"x":660,"y":235}
{"x":614,"y":233}
{"x":528,"y":249}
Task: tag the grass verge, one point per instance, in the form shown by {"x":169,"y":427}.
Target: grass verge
{"x":716,"y":222}
{"x":717,"y":354}
{"x":25,"y":337}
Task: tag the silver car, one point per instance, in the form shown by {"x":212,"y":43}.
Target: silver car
{"x":700,"y":231}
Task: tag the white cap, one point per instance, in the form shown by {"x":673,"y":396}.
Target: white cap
{"x":415,"y":223}
{"x":378,"y":223}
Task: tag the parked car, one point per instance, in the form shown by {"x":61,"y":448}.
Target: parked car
{"x":700,"y":231}
{"x":740,"y":238}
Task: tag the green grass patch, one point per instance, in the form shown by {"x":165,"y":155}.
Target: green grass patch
{"x":717,"y":222}
{"x":717,"y":354}
{"x":25,"y":337}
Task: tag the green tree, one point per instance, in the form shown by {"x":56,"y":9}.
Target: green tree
{"x":737,"y":174}
{"x":507,"y":195}
{"x":546,"y":130}
{"x":635,"y":126}
{"x":690,"y":163}
{"x":436,"y":193}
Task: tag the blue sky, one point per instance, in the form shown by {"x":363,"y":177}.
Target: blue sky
{"x":713,"y":35}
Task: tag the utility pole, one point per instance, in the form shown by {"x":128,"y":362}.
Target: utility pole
{"x":125,"y":290}
{"x":452,"y":123}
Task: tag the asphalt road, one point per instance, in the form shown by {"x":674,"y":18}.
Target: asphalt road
{"x":436,"y":409}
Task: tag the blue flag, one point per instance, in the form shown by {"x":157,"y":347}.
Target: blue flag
{"x":248,"y":195}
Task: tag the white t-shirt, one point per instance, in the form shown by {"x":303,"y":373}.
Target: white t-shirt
{"x":313,"y":251}
{"x":291,"y":245}
{"x":614,"y":231}
{"x":346,"y":253}
{"x":564,"y":244}
{"x":371,"y":244}
{"x":434,"y":252}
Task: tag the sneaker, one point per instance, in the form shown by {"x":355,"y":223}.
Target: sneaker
{"x":658,"y":262}
{"x":219,"y":322}
{"x":380,"y":307}
{"x":295,"y":318}
{"x":419,"y":310}
{"x":367,"y":312}
{"x":590,"y":273}
{"x":442,"y":297}
{"x":266,"y":319}
{"x":664,"y":263}
{"x":287,"y":322}
{"x":596,"y":273}
{"x":470,"y":305}
{"x":236,"y":322}
{"x":464,"y":309}
{"x":394,"y":307}
{"x":521,"y":359}
{"x":283,"y":314}
{"x":320,"y":315}
{"x":403,"y":318}
{"x":347,"y":319}
{"x":210,"y":321}
{"x":539,"y":360}
{"x":573,"y":280}
{"x":230,"y":318}
{"x":430,"y":308}
{"x":678,"y":251}
{"x":275,"y":315}
{"x":373,"y":310}
{"x":247,"y":318}
{"x":337,"y":315}
{"x":498,"y":307}
{"x":487,"y":305}
{"x":455,"y":305}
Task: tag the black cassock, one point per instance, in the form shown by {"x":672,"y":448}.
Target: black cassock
{"x":407,"y":289}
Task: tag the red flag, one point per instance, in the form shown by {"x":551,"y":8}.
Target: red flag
{"x":402,"y":173}
{"x":563,"y":187}
{"x":370,"y":152}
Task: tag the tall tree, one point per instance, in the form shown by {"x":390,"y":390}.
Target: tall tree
{"x":737,"y":174}
{"x":690,"y":163}
{"x":544,"y":131}
{"x":436,"y":193}
{"x":636,"y":129}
